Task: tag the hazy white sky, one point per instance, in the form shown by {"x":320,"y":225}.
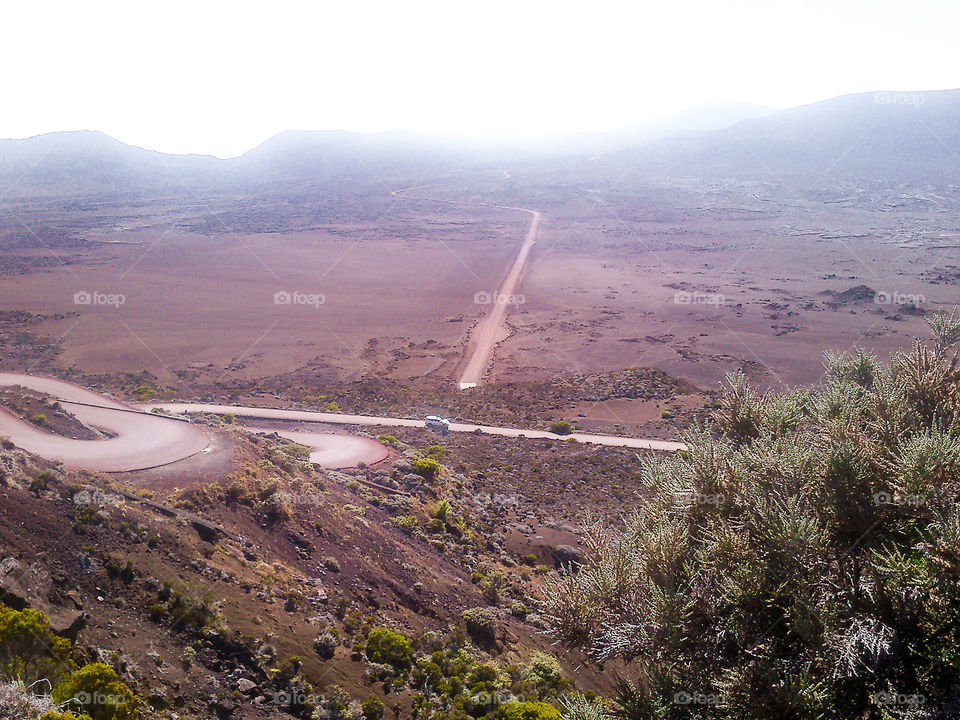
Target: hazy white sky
{"x":220,"y":77}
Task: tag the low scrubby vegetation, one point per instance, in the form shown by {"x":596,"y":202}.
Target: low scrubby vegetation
{"x":800,"y":560}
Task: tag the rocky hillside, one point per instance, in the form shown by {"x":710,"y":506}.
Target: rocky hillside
{"x":277,"y":588}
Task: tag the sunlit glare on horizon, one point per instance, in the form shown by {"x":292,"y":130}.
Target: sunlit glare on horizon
{"x":220,"y":77}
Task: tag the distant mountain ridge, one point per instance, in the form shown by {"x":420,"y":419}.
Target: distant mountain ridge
{"x":886,"y":136}
{"x":84,"y":161}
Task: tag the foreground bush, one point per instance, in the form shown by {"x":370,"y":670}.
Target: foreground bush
{"x":96,"y":690}
{"x":801,"y":560}
{"x":29,"y":650}
{"x":18,"y":701}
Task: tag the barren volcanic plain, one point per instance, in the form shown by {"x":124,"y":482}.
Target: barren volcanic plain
{"x":695,"y":280}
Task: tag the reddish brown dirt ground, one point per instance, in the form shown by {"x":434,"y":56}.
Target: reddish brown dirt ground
{"x":694,"y":281}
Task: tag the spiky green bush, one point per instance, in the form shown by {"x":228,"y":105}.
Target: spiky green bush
{"x":800,"y":560}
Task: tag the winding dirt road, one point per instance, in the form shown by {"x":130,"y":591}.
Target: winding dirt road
{"x":143,"y":439}
{"x":334,"y":451}
{"x":489,"y":331}
{"x":343,"y":419}
{"x":140,"y":441}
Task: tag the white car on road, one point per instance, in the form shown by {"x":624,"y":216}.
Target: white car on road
{"x":437,"y":423}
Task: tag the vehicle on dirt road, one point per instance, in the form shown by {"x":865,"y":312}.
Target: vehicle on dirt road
{"x":437,"y":424}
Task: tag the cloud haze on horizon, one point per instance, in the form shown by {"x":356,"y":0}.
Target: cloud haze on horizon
{"x":218,"y":78}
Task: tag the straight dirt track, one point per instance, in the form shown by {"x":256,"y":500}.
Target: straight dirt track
{"x":489,"y":331}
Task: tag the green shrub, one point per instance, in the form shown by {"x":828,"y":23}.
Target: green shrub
{"x":561,"y":427}
{"x":372,"y":708}
{"x":295,"y":450}
{"x":481,"y":625}
{"x":527,"y":711}
{"x":579,"y":706}
{"x":492,"y":586}
{"x":97,"y":690}
{"x":326,"y":645}
{"x":190,"y":611}
{"x":143,"y":392}
{"x":334,"y":704}
{"x":544,"y":671}
{"x":438,"y":452}
{"x":441,"y":511}
{"x":519,"y":610}
{"x":428,"y":468}
{"x":40,"y":482}
{"x":436,"y":525}
{"x":125,"y":571}
{"x":389,"y":647}
{"x":29,"y":650}
{"x":408,"y":523}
